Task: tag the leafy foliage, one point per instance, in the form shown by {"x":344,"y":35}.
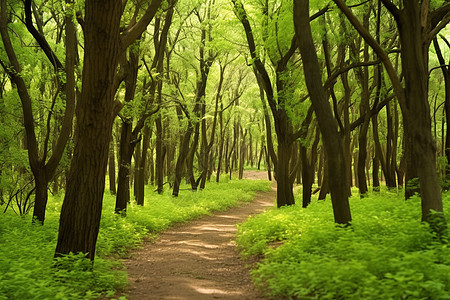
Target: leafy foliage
{"x":27,"y":267}
{"x":386,"y":253}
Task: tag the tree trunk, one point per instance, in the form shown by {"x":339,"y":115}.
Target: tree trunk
{"x":416,"y":118}
{"x":328,"y":127}
{"x":307,"y":177}
{"x":221,"y":141}
{"x":285,"y":195}
{"x":375,"y":170}
{"x":159,"y":162}
{"x":112,"y":168}
{"x":82,"y":206}
{"x":269,"y":164}
{"x":182,"y":155}
{"x":242,"y":153}
{"x":137,"y":163}
{"x":415,"y":37}
{"x":364,"y":111}
{"x":123,"y":178}
{"x":42,"y":169}
{"x":324,"y":188}
{"x":140,"y":180}
{"x":446,"y":74}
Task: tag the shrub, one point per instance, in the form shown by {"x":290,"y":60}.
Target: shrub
{"x":387,"y":253}
{"x":27,"y":267}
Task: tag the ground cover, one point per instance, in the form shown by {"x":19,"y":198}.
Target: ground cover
{"x":387,"y":253}
{"x":26,"y":251}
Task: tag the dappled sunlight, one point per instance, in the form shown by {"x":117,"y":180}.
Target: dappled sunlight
{"x":221,"y":228}
{"x":211,"y":291}
{"x":198,"y":260}
{"x":198,"y":244}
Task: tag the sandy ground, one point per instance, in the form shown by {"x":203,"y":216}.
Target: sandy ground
{"x":197,"y":260}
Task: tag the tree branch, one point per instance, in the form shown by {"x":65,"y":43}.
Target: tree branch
{"x":392,"y":8}
{"x":398,"y":88}
{"x":41,"y":39}
{"x":133,"y":33}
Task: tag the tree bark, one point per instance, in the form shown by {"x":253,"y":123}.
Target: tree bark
{"x":417,"y":28}
{"x":112,"y":168}
{"x":43,"y":169}
{"x":328,"y":127}
{"x":82,"y":206}
{"x":140,"y":180}
{"x":446,"y":74}
{"x":123,"y":179}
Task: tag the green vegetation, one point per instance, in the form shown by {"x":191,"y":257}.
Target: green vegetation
{"x":27,"y":250}
{"x":385,"y":254}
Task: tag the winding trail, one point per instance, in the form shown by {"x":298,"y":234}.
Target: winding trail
{"x":197,"y":260}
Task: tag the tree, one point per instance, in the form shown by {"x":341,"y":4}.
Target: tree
{"x":417,"y":25}
{"x":42,"y":166}
{"x":104,"y":43}
{"x":327,"y":124}
{"x":278,"y":103}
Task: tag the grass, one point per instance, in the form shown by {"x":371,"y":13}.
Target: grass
{"x":26,"y":251}
{"x":387,"y":253}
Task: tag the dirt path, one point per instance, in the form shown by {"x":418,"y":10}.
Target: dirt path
{"x":197,"y":260}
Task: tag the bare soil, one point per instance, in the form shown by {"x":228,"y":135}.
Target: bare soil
{"x":199,"y":259}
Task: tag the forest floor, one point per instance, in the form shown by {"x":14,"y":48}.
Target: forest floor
{"x":199,"y":259}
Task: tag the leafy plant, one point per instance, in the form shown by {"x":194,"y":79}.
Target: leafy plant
{"x":27,"y":267}
{"x":385,"y":254}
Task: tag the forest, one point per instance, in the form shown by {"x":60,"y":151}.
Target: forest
{"x":121,"y":119}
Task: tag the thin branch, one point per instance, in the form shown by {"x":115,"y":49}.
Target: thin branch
{"x":328,"y":83}
{"x":392,"y":8}
{"x":41,"y":39}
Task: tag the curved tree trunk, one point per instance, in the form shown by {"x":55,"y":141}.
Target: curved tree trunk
{"x":416,"y":31}
{"x":42,"y":169}
{"x":328,"y":127}
{"x":82,"y":206}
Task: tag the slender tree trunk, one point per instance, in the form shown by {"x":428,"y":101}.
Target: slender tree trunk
{"x":320,"y":167}
{"x":328,"y":127}
{"x":190,"y":158}
{"x":137,"y":165}
{"x":112,"y":168}
{"x":324,"y":188}
{"x":183,"y":153}
{"x":307,"y":179}
{"x":151,"y":167}
{"x":364,"y":111}
{"x":269,"y":164}
{"x":159,"y":162}
{"x":140,"y":181}
{"x":375,"y":170}
{"x":42,"y":169}
{"x":446,"y":74}
{"x":347,"y":132}
{"x":221,"y":141}
{"x":420,"y":149}
{"x":242,"y":153}
{"x":123,"y":178}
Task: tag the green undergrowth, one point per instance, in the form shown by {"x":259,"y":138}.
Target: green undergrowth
{"x":387,"y":253}
{"x":27,"y":267}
